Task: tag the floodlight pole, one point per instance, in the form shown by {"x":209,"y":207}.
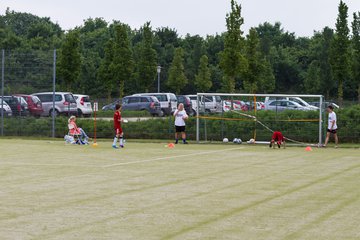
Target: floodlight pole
{"x":53,"y":97}
{"x":2,"y":90}
{"x":158,"y":69}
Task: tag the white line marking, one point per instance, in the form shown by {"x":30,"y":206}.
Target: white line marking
{"x":46,"y":164}
{"x":169,"y":157}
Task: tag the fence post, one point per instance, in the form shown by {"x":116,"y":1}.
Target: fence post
{"x":2,"y":89}
{"x":54,"y":89}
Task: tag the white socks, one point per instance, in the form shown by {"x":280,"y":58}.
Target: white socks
{"x":115,"y":140}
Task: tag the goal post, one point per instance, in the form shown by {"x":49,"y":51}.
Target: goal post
{"x":204,"y":113}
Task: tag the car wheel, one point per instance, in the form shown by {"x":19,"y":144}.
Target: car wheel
{"x":56,"y":113}
{"x":79,"y":113}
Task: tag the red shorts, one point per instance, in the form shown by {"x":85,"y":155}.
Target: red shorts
{"x":118,"y":131}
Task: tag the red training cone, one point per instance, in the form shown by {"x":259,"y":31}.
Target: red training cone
{"x":171,"y":145}
{"x":308,"y":149}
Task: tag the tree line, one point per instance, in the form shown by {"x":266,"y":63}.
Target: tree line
{"x":109,"y":60}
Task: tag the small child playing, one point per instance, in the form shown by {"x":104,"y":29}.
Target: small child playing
{"x":117,"y":127}
{"x":277,"y":138}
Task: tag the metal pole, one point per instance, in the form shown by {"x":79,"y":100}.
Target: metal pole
{"x":320,"y":119}
{"x":2,"y":90}
{"x":197,"y":120}
{"x":158,"y":73}
{"x":54,"y":89}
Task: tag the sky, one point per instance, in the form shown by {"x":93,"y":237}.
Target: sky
{"x":203,"y":17}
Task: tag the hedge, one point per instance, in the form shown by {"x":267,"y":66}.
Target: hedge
{"x":227,"y":125}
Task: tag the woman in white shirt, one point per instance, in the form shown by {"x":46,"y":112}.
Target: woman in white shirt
{"x":332,"y":126}
{"x":180,"y":117}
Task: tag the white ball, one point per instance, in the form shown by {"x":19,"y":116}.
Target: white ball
{"x":225,"y":140}
{"x":252,"y":140}
{"x":237,"y":141}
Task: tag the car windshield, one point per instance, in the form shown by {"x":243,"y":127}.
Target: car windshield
{"x":161,"y":98}
{"x":69,"y":98}
{"x":86,"y":99}
{"x":35,"y":99}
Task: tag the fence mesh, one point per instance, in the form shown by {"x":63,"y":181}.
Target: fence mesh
{"x":30,"y":71}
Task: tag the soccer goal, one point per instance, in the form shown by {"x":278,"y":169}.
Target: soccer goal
{"x":254,"y":117}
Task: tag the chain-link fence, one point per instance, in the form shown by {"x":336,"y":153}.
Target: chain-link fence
{"x":33,"y":106}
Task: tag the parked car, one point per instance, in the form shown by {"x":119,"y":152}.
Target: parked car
{"x":34,"y":104}
{"x":5,"y":108}
{"x":237,"y":105}
{"x":212,"y":104}
{"x":282,"y":105}
{"x":18,"y":105}
{"x":251,"y":106}
{"x":187,"y":104}
{"x":325,"y":104}
{"x":294,"y":99}
{"x":83,"y":105}
{"x":168,"y":101}
{"x":142,"y":103}
{"x":65,"y":103}
{"x":111,"y":106}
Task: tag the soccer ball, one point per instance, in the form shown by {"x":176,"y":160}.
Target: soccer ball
{"x":252,"y":141}
{"x":237,"y":141}
{"x":225,"y":140}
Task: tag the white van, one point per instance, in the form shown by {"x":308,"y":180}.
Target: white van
{"x":168,"y":101}
{"x":212,"y":103}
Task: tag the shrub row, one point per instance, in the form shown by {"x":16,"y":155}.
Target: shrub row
{"x":228,"y":125}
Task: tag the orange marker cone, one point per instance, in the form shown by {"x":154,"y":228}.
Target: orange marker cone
{"x":171,"y":145}
{"x":308,"y":149}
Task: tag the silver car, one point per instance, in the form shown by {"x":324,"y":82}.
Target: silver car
{"x":65,"y":103}
{"x":5,"y":108}
{"x":282,"y":105}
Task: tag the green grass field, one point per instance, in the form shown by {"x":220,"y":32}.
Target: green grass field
{"x":49,"y":190}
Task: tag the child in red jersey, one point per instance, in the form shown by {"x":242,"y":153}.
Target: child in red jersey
{"x":117,"y":126}
{"x":278,"y":138}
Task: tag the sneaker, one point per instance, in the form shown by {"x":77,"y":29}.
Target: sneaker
{"x":114,"y":146}
{"x":176,"y":142}
{"x":278,"y":145}
{"x":122,"y":146}
{"x":185,"y":142}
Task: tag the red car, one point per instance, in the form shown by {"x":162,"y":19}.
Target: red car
{"x":34,"y":104}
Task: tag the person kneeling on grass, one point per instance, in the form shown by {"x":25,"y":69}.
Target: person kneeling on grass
{"x":277,"y":138}
{"x":75,"y":130}
{"x":180,"y":117}
{"x":117,"y":127}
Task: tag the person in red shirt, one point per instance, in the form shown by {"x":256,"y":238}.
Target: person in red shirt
{"x":277,"y":138}
{"x":117,"y":126}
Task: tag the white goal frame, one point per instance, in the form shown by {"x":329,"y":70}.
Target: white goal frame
{"x":199,"y":95}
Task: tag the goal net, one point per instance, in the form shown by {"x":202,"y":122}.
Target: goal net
{"x":256,"y":116}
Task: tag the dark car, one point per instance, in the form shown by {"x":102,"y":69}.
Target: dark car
{"x":18,"y":105}
{"x":187,"y":104}
{"x":111,"y":106}
{"x":142,"y":103}
{"x":34,"y":104}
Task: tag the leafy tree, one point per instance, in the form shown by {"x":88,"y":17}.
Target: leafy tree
{"x":105,"y":74}
{"x":122,"y":65}
{"x":232,"y":61}
{"x":70,"y":60}
{"x":340,"y":50}
{"x":177,"y":79}
{"x":313,"y":78}
{"x":356,"y":52}
{"x":147,"y":60}
{"x":203,"y":77}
